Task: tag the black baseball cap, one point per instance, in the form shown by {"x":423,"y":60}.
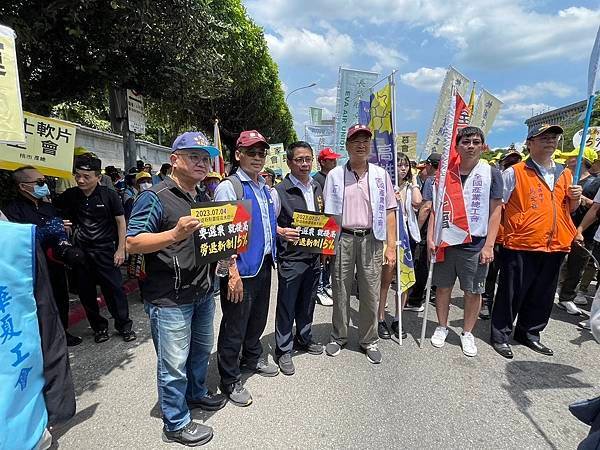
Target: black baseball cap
{"x":433,"y":159}
{"x":88,"y":163}
{"x":544,"y":128}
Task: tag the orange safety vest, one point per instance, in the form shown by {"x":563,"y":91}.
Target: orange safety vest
{"x":535,"y":217}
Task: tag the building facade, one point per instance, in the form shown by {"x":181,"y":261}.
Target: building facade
{"x":563,"y":116}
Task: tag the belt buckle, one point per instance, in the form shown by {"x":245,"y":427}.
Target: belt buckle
{"x":359,"y":233}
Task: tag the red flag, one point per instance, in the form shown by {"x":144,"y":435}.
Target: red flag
{"x":452,"y":225}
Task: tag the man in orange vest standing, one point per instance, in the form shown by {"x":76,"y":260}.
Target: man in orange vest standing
{"x":539,"y":198}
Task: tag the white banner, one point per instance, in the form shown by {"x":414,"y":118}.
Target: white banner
{"x":485,"y":111}
{"x":135,"y":112}
{"x":353,"y":86}
{"x":435,"y":138}
{"x":319,"y":137}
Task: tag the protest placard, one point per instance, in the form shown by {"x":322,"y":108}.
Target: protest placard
{"x":319,"y":233}
{"x":225,"y":228}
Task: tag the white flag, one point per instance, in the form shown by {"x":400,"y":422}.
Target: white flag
{"x":485,"y":112}
{"x":435,"y":138}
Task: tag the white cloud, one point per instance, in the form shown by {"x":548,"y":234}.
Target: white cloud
{"x":537,"y":90}
{"x":302,"y":46}
{"x":425,"y":78}
{"x":327,"y":97}
{"x":515,"y":114}
{"x":486,"y":33}
{"x":410,"y":114}
{"x":385,"y":57}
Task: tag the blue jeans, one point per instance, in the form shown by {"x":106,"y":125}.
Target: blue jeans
{"x":183,"y":339}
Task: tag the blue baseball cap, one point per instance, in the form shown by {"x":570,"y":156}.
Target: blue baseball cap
{"x":194,"y":140}
{"x":544,"y":128}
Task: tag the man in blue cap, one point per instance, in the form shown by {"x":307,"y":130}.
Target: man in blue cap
{"x":178,"y":289}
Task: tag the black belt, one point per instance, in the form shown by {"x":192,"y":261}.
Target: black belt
{"x":358,"y":232}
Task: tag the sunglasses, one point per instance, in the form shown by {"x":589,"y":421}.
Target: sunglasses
{"x":39,"y":182}
{"x":252,"y":153}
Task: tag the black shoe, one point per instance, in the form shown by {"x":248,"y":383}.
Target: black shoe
{"x":210,"y":402}
{"x":129,"y":336}
{"x":503,"y":350}
{"x":72,"y":341}
{"x":192,"y":435}
{"x":101,"y":336}
{"x":536,"y":346}
{"x":383,"y":331}
{"x":313,"y":348}
{"x":396,"y":329}
{"x":286,"y":365}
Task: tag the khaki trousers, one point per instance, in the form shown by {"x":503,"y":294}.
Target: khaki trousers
{"x":366,"y":255}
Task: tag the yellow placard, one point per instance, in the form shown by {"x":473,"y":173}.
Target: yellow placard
{"x":406,"y":143}
{"x":49,"y":145}
{"x":11,"y":110}
{"x":309,"y":220}
{"x":215,"y":215}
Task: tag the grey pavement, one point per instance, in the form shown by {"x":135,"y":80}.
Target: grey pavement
{"x":417,"y":398}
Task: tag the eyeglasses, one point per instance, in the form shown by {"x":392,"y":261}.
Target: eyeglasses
{"x":303,"y":160}
{"x":467,"y":142}
{"x":253,"y":152}
{"x":196,"y":158}
{"x":39,"y":182}
{"x":366,"y":142}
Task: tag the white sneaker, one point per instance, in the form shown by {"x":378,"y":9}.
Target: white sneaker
{"x":569,"y":307}
{"x":328,"y":291}
{"x":580,"y":299}
{"x":324,"y":300}
{"x":439,"y":337}
{"x":467,"y":341}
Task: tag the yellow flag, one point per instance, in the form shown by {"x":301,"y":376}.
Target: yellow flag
{"x":11,"y":110}
{"x":472,"y":99}
{"x":381,"y":119}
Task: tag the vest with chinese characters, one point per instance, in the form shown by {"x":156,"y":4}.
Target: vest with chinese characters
{"x":476,"y":192}
{"x":23,"y":415}
{"x":334,"y":196}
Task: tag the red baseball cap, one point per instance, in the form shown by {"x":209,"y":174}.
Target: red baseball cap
{"x":328,"y":153}
{"x":249,"y":138}
{"x":358,"y":128}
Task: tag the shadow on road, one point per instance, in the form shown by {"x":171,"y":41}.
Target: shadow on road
{"x":525,"y":377}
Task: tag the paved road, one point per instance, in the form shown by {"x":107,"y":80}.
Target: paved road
{"x":429,"y":398}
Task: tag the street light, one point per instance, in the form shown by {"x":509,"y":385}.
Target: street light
{"x":298,"y":89}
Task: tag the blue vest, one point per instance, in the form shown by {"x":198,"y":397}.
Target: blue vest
{"x":250,"y":262}
{"x":23,"y":415}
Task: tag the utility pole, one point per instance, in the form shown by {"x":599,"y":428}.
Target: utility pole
{"x":119,"y":123}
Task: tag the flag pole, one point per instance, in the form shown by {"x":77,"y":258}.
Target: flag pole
{"x":586,"y":125}
{"x":592,"y":73}
{"x":438,"y":202}
{"x":397,"y":212}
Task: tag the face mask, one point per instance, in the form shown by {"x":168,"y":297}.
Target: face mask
{"x":41,"y":191}
{"x":212,"y":186}
{"x":145,"y":186}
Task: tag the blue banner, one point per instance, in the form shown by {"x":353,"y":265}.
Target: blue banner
{"x":23,"y":415}
{"x":364,"y":112}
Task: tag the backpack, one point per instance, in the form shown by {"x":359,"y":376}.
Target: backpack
{"x":237,"y":186}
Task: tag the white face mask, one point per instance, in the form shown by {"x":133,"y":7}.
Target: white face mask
{"x":145,"y":186}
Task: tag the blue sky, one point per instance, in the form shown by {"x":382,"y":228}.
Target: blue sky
{"x":531,"y":54}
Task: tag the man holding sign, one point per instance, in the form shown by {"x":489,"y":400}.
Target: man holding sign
{"x":178,"y":291}
{"x":298,"y":269}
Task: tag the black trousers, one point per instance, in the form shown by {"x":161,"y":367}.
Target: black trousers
{"x":298,"y":281}
{"x":60,"y":290}
{"x":525,"y":292}
{"x":99,"y":269}
{"x":243,"y":323}
{"x":572,"y":271}
{"x":416,"y":294}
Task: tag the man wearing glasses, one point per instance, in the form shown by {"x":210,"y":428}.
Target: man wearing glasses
{"x":31,"y":207}
{"x":246,"y":291}
{"x":298,"y":271}
{"x":362,"y":193}
{"x":538,"y":231}
{"x":178,"y":292}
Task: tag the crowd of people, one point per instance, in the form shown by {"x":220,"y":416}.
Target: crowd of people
{"x":524,"y":213}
